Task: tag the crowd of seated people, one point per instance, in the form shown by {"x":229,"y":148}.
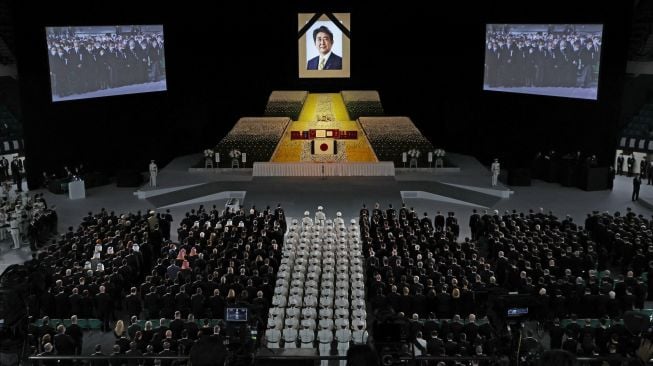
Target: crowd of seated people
{"x":119,"y":267}
{"x":417,"y":269}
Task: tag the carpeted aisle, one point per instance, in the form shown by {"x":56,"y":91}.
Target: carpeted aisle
{"x":324,"y":111}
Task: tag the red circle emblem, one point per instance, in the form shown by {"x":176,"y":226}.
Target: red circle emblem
{"x":324,"y":147}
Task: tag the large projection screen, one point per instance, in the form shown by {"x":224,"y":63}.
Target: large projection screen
{"x":546,"y":59}
{"x":324,"y":45}
{"x":100,"y":61}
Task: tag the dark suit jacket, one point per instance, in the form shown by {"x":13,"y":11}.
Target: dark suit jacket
{"x":334,"y":62}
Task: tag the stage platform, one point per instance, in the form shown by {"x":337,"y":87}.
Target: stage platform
{"x":466,"y":185}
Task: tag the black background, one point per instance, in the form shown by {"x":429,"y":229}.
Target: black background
{"x":424,"y":58}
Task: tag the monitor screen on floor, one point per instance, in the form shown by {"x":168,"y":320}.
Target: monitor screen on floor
{"x":236,"y":315}
{"x":100,"y":61}
{"x":546,"y":59}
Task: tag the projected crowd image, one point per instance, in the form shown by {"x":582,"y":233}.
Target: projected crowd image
{"x":558,"y":60}
{"x":89,"y":62}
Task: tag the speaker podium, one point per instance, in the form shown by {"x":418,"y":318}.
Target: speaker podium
{"x":594,"y":179}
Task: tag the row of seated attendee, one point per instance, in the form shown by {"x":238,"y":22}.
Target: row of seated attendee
{"x":200,"y":341}
{"x":558,"y":261}
{"x":114,"y":267}
{"x":416,"y":267}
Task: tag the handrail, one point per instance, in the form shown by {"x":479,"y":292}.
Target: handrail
{"x":107,"y":357}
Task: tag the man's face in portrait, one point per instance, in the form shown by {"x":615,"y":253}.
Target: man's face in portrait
{"x":323,"y":43}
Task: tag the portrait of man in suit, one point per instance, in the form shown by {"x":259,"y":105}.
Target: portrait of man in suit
{"x":326,"y":59}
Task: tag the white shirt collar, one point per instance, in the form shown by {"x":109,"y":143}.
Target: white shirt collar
{"x":325,"y":57}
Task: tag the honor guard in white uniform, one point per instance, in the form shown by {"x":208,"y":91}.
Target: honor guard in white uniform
{"x":292,"y":322}
{"x":342,"y":284}
{"x":358,"y":323}
{"x":326,"y":300}
{"x":328,"y":261}
{"x":326,"y":285}
{"x":308,"y":320}
{"x":342,"y":259}
{"x":296,"y":292}
{"x":359,"y":335}
{"x":302,"y":253}
{"x":342,"y":292}
{"x":326,"y":323}
{"x":300,"y":265}
{"x":340,"y":321}
{"x":358,"y":285}
{"x":310,"y":312}
{"x":341,"y":313}
{"x":353,"y":230}
{"x":338,"y":221}
{"x":314,"y":261}
{"x":283,"y":275}
{"x":14,"y":229}
{"x":343,"y":336}
{"x":311,"y":279}
{"x":281,"y":289}
{"x":358,"y":304}
{"x":326,"y":313}
{"x":359,"y":309}
{"x":4,"y":226}
{"x":320,"y":217}
{"x":154,"y":170}
{"x":277,"y":313}
{"x":495,"y":168}
{"x":354,"y":254}
{"x":306,"y":337}
{"x":279,"y":301}
{"x":341,"y":302}
{"x":325,"y":337}
{"x":289,"y":337}
{"x":292,"y":311}
{"x":316,"y":240}
{"x":272,"y":335}
{"x":295,"y":225}
{"x":311,"y":291}
{"x":310,"y":301}
{"x":297,"y":284}
{"x":307,"y":222}
{"x":276,"y":320}
{"x":315,"y":268}
{"x":329,"y":240}
{"x":356,"y":265}
{"x":328,"y":274}
{"x":342,"y":274}
{"x":357,"y":294}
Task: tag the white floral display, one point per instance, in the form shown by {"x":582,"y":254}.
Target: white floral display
{"x":414,"y":153}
